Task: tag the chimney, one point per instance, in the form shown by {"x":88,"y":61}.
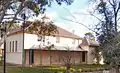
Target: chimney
{"x":73,"y":31}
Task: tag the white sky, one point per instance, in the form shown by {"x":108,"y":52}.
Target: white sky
{"x":78,"y":9}
{"x":58,"y":13}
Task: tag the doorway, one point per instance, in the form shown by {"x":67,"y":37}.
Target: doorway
{"x":31,"y":56}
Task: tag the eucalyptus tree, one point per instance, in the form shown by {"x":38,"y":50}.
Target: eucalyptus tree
{"x":89,"y":36}
{"x":42,"y":28}
{"x":14,"y":10}
{"x":11,"y":9}
{"x":107,"y":30}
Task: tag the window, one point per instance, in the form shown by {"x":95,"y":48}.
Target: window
{"x":83,"y":56}
{"x":10,"y":46}
{"x":57,"y":39}
{"x":15,"y":46}
{"x":43,"y":38}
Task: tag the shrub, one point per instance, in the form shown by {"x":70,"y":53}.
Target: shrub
{"x":72,"y":70}
{"x":79,"y":70}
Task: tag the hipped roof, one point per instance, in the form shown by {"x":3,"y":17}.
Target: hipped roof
{"x":61,"y":32}
{"x":88,"y":42}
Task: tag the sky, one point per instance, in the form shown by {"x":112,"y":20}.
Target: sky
{"x":77,"y":10}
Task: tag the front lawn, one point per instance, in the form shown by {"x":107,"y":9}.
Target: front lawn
{"x":53,"y":69}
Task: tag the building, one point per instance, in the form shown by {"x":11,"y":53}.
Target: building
{"x":90,"y":46}
{"x":65,"y":46}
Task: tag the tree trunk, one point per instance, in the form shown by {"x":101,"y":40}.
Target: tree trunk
{"x":68,"y":68}
{"x":68,"y":71}
{"x":117,"y":69}
{"x":98,"y":60}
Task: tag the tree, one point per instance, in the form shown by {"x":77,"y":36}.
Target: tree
{"x":108,"y":31}
{"x":42,"y":28}
{"x":111,"y":53}
{"x":97,"y":54}
{"x":67,"y":60}
{"x":12,"y":9}
{"x":96,"y":51}
{"x":8,"y":28}
{"x":89,"y":36}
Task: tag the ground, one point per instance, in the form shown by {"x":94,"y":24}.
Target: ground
{"x":52,"y":69}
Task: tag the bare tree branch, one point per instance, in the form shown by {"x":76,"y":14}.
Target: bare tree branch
{"x":118,"y":8}
{"x":18,"y":11}
{"x":91,"y":15}
{"x":14,"y":18}
{"x":111,"y":3}
{"x":84,"y":25}
{"x":9,"y":14}
{"x":6,"y":6}
{"x":79,"y":23}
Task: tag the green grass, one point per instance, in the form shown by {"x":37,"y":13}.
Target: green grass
{"x":1,"y":63}
{"x":53,"y":69}
{"x":31,"y":70}
{"x":90,"y":67}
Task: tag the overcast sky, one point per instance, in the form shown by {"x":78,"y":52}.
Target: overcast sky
{"x":79,"y":9}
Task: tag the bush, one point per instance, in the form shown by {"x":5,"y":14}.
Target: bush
{"x":62,"y":69}
{"x":79,"y":70}
{"x":72,"y":70}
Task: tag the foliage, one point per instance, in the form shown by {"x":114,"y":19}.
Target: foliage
{"x":97,"y":54}
{"x":108,"y":30}
{"x":42,"y":28}
{"x":112,"y":57}
{"x":108,"y":26}
{"x":89,"y":36}
{"x":19,"y":10}
{"x":29,"y":7}
{"x":82,"y":68}
{"x":9,"y":27}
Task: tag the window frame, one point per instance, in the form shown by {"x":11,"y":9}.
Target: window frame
{"x":12,"y":46}
{"x":16,"y":44}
